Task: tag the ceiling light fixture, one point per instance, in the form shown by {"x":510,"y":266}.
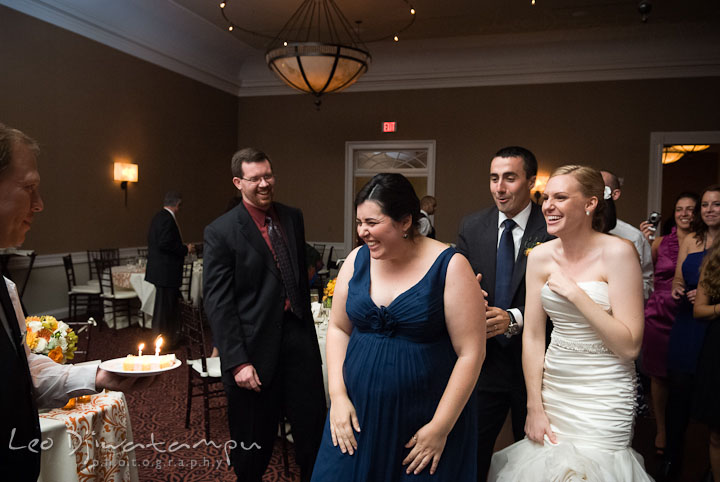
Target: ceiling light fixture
{"x":675,"y":152}
{"x":318,"y":51}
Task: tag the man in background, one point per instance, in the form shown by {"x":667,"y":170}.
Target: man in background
{"x":427,"y":209}
{"x":166,"y":255}
{"x":631,"y":233}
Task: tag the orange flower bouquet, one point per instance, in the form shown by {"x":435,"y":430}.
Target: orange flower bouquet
{"x":328,"y":293}
{"x":48,"y":336}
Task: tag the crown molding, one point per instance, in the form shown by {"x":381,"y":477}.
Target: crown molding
{"x":159,"y":31}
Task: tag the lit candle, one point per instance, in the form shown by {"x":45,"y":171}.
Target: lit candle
{"x":158,"y":344}
{"x":140,"y":348}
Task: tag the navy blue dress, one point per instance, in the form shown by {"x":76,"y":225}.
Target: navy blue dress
{"x":687,"y":334}
{"x":398,"y":362}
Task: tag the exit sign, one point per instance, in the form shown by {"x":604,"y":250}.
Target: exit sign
{"x":389,"y":126}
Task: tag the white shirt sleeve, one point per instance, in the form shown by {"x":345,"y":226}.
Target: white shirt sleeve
{"x":54,"y":384}
{"x":518,"y":316}
{"x":424,"y":226}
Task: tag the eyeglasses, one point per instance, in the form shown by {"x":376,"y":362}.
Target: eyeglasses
{"x":255,"y":180}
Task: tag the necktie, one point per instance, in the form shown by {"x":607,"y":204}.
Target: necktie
{"x":504,"y":270}
{"x":282,"y":256}
{"x":504,"y":266}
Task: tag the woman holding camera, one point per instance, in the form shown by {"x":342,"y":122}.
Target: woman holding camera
{"x":661,"y":307}
{"x":688,"y":333}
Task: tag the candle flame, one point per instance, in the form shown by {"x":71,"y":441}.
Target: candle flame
{"x":141,"y":346}
{"x":158,"y":341}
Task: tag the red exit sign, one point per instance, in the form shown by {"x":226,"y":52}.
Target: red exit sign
{"x":389,"y":126}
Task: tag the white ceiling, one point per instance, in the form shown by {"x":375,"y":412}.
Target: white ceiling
{"x":452,"y":43}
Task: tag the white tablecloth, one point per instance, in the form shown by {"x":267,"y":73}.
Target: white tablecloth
{"x":321,"y":326}
{"x":84,"y":442}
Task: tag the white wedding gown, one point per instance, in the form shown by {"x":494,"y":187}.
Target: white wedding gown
{"x":589,"y":396}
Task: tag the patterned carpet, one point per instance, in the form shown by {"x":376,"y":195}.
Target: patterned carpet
{"x":158,"y":417}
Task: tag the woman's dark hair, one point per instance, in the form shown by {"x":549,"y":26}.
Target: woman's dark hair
{"x":609,"y":215}
{"x":395,"y":196}
{"x":698,"y":225}
{"x":669,"y":223}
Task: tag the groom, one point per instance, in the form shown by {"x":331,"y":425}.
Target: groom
{"x":494,"y":240}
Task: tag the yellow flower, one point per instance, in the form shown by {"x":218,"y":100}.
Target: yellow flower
{"x":31,"y":339}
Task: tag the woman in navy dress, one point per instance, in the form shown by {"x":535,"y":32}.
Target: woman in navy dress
{"x":405,"y":345}
{"x":688,"y":333}
{"x":706,"y":406}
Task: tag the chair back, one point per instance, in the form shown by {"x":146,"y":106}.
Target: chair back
{"x":111,"y":254}
{"x":186,"y":280}
{"x":193,"y":333}
{"x":331,"y":263}
{"x":69,"y":271}
{"x":320,"y":248}
{"x":142,"y":252}
{"x":104,"y":274}
{"x":199,"y":250}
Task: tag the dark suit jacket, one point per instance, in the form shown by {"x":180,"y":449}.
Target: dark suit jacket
{"x":478,"y":240}
{"x":166,"y":252}
{"x":17,"y":404}
{"x":244,"y":294}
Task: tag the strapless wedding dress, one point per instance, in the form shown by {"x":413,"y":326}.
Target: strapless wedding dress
{"x":589,"y":396}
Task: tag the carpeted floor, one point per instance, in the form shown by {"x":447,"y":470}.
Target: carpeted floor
{"x":158,"y":416}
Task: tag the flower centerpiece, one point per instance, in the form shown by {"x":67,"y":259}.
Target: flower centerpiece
{"x":48,"y":336}
{"x":328,"y":293}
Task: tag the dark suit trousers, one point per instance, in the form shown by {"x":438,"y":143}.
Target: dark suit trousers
{"x":295,"y":391}
{"x":166,"y":319}
{"x":493,"y":408}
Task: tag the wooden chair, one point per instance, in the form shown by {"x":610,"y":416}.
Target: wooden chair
{"x":320,"y":248}
{"x":186,"y":280}
{"x":112,"y":254}
{"x":85,"y":297}
{"x":118,"y":302}
{"x":204,"y":375}
{"x":199,"y":250}
{"x":142,"y":252}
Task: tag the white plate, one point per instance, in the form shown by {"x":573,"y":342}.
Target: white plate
{"x":115,"y":366}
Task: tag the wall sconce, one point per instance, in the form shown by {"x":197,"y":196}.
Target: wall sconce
{"x":540,"y":182}
{"x":125,"y":172}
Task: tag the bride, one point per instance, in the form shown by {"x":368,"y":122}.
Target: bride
{"x":581,"y":393}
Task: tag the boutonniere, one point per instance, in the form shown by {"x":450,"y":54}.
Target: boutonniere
{"x":531,"y":244}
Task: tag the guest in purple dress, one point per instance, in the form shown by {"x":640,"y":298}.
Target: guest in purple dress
{"x":661,"y":308}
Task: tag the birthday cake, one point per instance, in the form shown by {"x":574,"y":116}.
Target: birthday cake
{"x":146,"y":363}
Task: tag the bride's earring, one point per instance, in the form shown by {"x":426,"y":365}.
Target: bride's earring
{"x":405,"y":235}
{"x":587,"y":213}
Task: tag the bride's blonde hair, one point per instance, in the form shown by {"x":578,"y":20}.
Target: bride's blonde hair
{"x":591,"y":184}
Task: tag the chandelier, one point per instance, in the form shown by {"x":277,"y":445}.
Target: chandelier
{"x":676,"y":152}
{"x":318,"y":51}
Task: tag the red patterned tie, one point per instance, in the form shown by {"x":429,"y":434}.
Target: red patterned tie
{"x":282,"y":256}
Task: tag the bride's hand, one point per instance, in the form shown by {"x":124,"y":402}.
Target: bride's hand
{"x":537,"y":426}
{"x":343,"y":420}
{"x":561,"y":284}
{"x":427,"y":446}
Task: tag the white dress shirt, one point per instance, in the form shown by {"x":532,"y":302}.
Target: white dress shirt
{"x":634,"y":235}
{"x":54,"y":384}
{"x":521,"y":220}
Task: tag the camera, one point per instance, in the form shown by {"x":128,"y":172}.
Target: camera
{"x":654,"y":219}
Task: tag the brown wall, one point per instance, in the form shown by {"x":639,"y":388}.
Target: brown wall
{"x":87,"y":103}
{"x":603,"y":124}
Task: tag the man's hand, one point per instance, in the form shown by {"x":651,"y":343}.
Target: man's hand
{"x":191,"y":248}
{"x":111,"y":381}
{"x":497,"y":321}
{"x":248,"y":378}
